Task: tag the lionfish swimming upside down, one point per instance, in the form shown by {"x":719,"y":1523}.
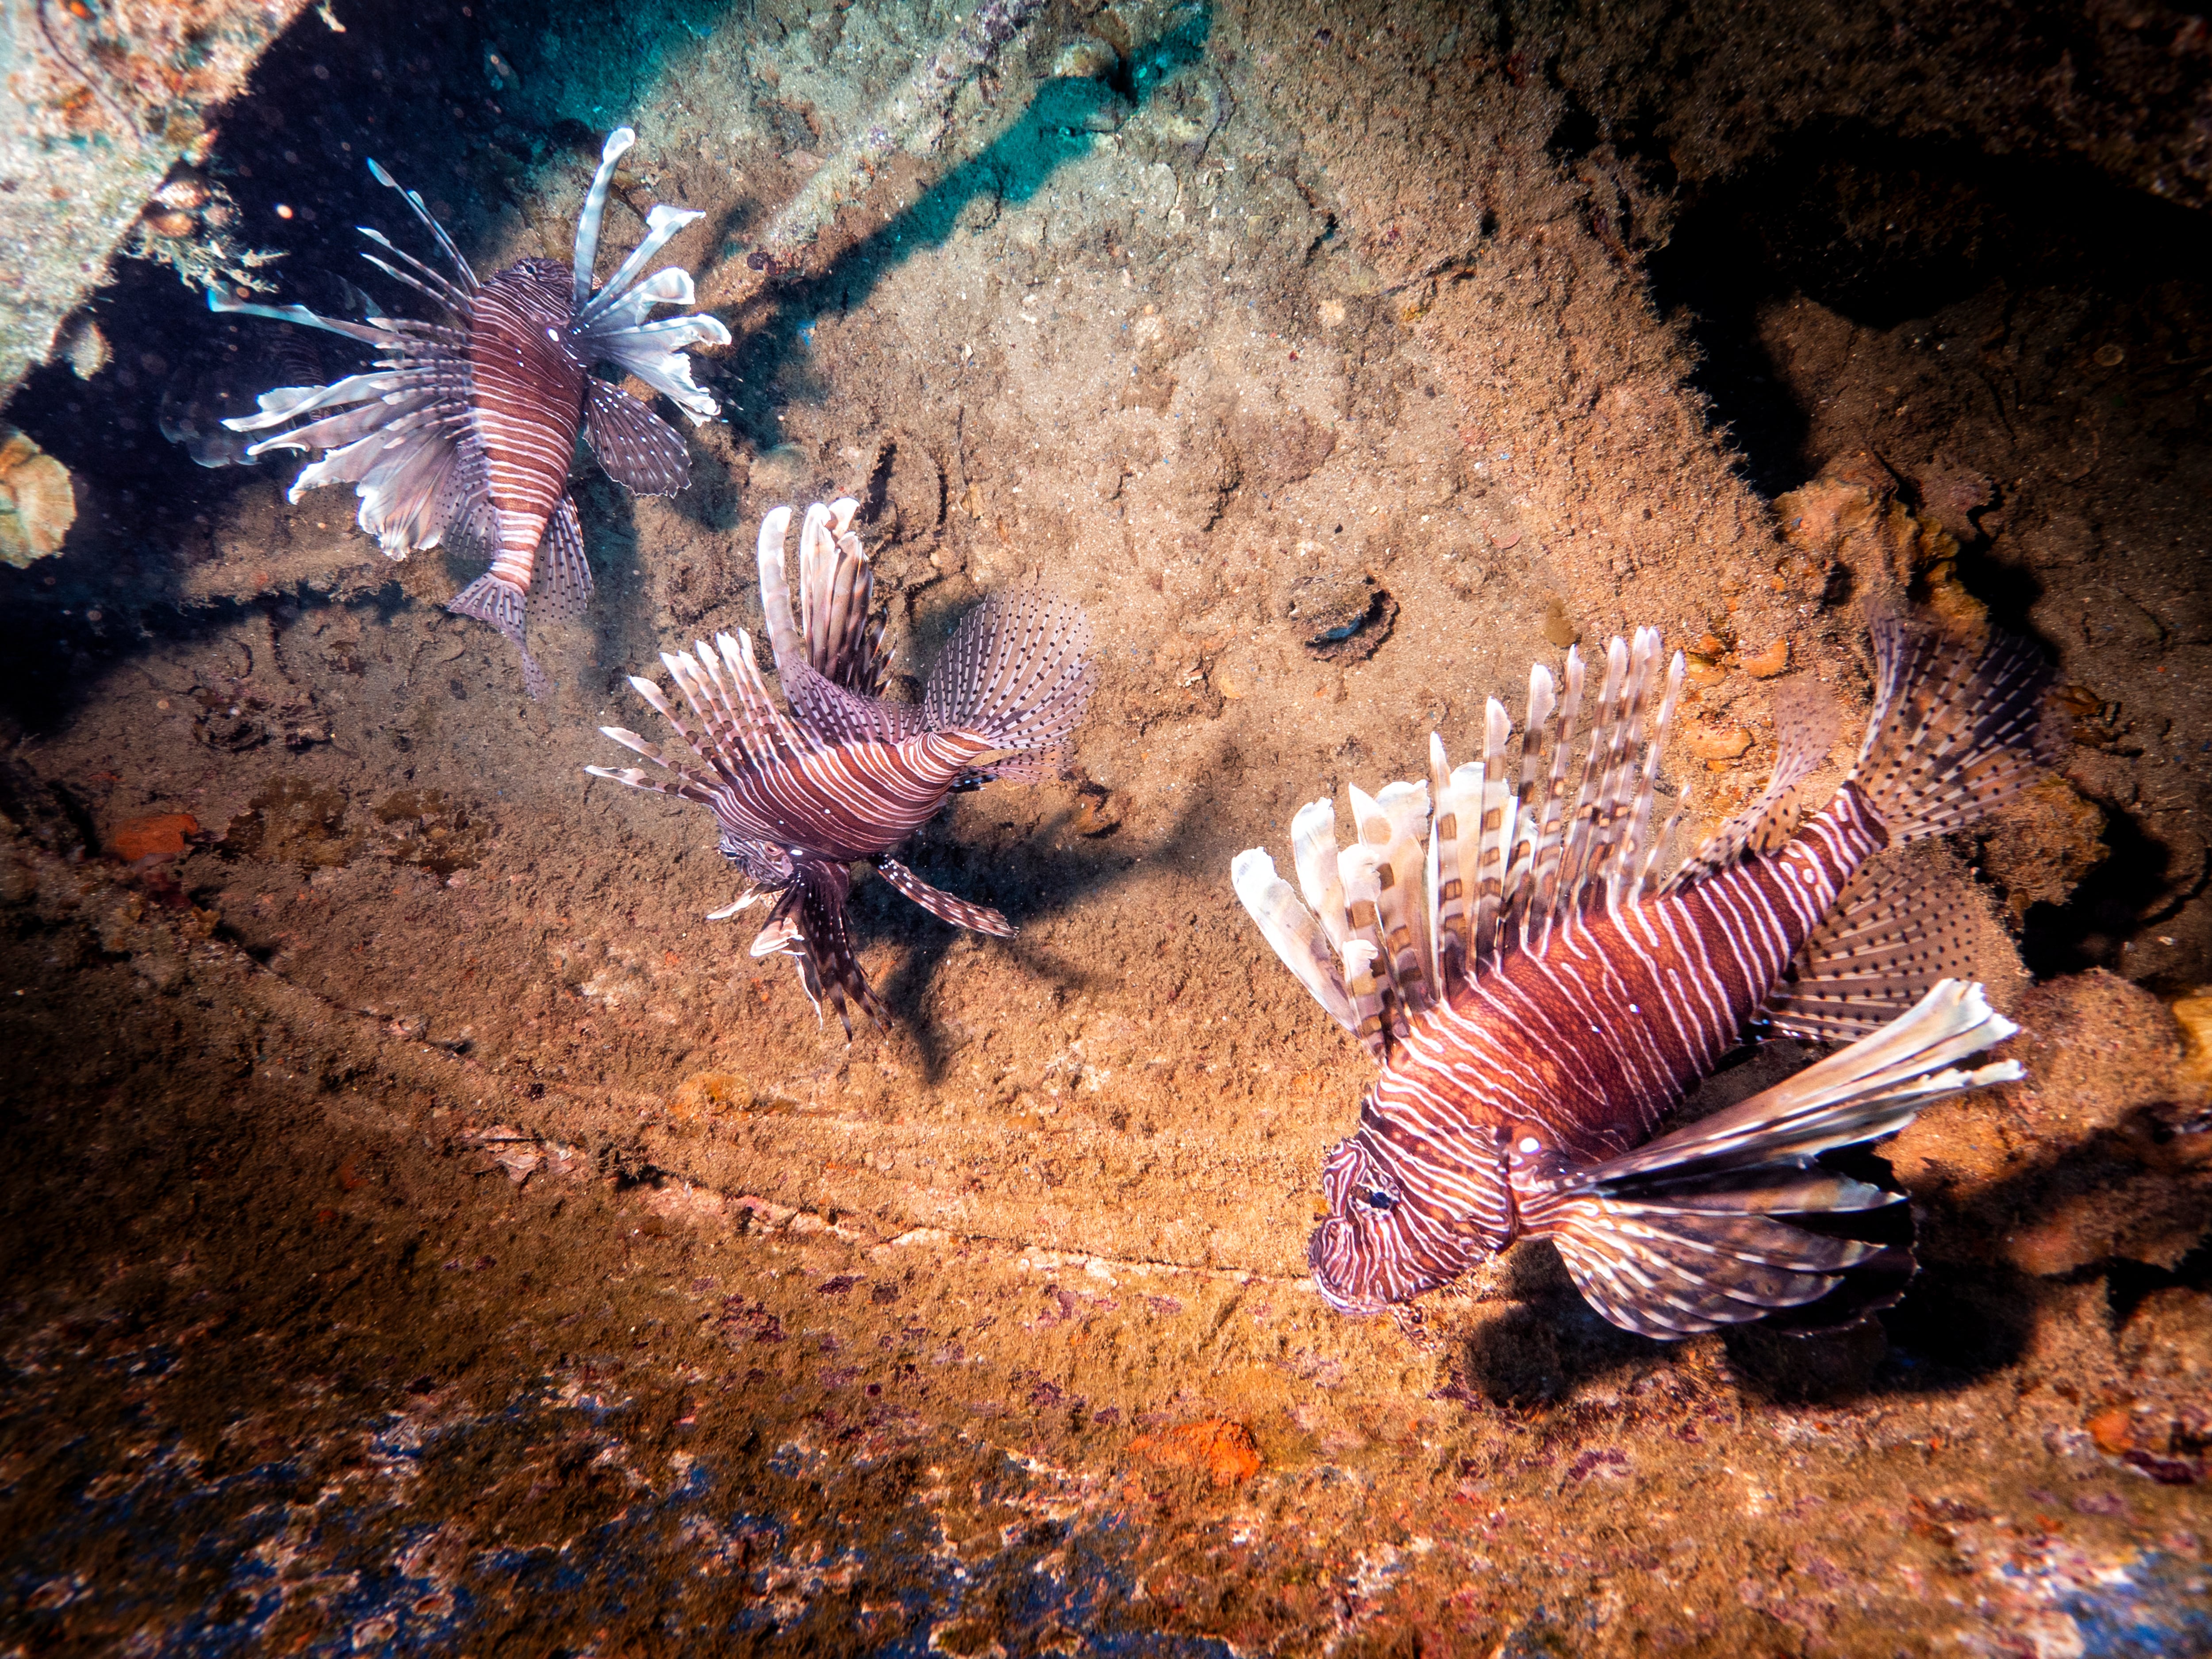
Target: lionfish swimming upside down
{"x":800,"y":798}
{"x":1536,"y":1011}
{"x":464,"y":427}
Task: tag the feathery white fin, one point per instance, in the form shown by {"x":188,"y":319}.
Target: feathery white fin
{"x":1453,"y":835}
{"x":1319,"y":864}
{"x":1495,"y":832}
{"x":1289,"y":926}
{"x":414,"y":200}
{"x":1550,"y":807}
{"x":1390,"y":827}
{"x":595,"y":206}
{"x":775,"y":587}
{"x":1804,"y":731}
{"x":1871,"y":1089}
{"x":1692,"y":1232}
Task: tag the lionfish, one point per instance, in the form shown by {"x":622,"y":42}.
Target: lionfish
{"x":846,"y":775}
{"x":464,"y":427}
{"x":1536,"y":1011}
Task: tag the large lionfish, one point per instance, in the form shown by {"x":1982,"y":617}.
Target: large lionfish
{"x":1536,"y":1011}
{"x":464,"y":428}
{"x":846,"y":775}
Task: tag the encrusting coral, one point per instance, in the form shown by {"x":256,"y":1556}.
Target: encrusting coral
{"x":38,"y":504}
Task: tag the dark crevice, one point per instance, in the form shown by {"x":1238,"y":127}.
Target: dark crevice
{"x":1888,"y":231}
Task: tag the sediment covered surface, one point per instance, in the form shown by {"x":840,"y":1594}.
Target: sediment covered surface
{"x":428,"y":1232}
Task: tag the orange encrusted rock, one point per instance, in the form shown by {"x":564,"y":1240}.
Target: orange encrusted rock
{"x":160,"y":837}
{"x":1226,"y":1451}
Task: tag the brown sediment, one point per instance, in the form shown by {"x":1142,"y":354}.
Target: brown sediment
{"x":464,"y":1198}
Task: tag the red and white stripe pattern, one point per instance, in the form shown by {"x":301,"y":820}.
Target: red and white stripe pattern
{"x":1536,"y":1013}
{"x":526,"y":406}
{"x":844,"y":776}
{"x":1582,"y":1046}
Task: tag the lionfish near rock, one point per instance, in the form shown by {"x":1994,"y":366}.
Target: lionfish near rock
{"x":464,"y":428}
{"x":800,"y":798}
{"x":1536,"y":1011}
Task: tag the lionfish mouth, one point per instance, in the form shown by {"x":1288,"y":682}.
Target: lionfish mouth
{"x":1325,"y":1252}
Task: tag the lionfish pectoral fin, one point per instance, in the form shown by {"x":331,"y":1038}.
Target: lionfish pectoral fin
{"x":1804,"y":731}
{"x":977,"y":918}
{"x":1668,"y":1268}
{"x":731,"y":909}
{"x":1689,"y":1233}
{"x":808,"y":924}
{"x":633,"y":446}
{"x":495,"y":600}
{"x":1900,"y":925}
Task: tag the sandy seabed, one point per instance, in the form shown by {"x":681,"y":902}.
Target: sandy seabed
{"x":426,"y":1232}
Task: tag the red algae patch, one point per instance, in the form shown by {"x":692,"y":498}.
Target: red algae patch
{"x":1225,"y":1452}
{"x":162,"y":835}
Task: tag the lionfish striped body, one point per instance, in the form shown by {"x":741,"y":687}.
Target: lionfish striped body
{"x":1537,"y":1011}
{"x":846,"y":775}
{"x":464,"y":429}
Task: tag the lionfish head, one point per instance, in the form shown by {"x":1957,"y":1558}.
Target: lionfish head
{"x":765,"y":863}
{"x":1375,"y":1249}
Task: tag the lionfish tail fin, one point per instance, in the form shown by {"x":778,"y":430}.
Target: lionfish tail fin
{"x":1956,"y":730}
{"x":1016,"y":675}
{"x":1804,"y":731}
{"x":495,"y":600}
{"x":1736,"y":1218}
{"x":1445,"y":876}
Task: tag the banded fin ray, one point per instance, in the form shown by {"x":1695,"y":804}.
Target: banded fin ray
{"x":1291,"y":929}
{"x":633,"y":446}
{"x":1410,"y":920}
{"x":1804,"y":731}
{"x":1957,"y":730}
{"x":977,"y":918}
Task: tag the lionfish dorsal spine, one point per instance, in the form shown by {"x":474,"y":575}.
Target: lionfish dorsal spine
{"x":1446,"y":878}
{"x":1298,"y":937}
{"x":423,"y":281}
{"x":1633,"y":868}
{"x":1550,"y":808}
{"x":414,"y":199}
{"x":661,"y":225}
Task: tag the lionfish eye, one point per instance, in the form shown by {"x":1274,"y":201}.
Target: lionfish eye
{"x":1378,"y":1199}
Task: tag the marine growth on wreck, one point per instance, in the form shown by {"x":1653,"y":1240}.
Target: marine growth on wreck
{"x":1745,"y":478}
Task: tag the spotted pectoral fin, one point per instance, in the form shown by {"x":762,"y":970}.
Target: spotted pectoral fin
{"x":1901,"y":925}
{"x":568,"y":584}
{"x":635,"y":447}
{"x":1736,"y":1216}
{"x":977,"y":918}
